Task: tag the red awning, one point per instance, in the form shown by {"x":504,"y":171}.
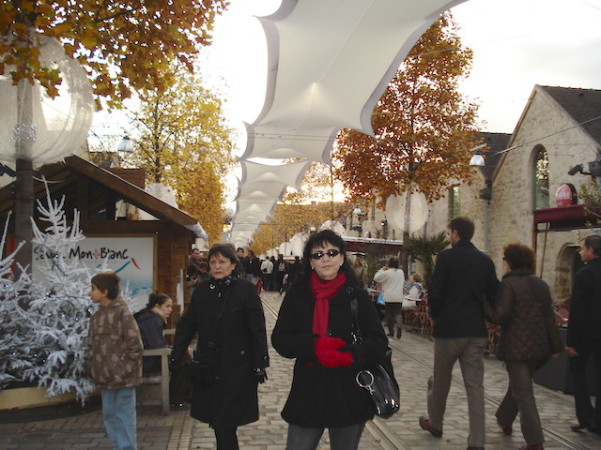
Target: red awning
{"x":563,"y":217}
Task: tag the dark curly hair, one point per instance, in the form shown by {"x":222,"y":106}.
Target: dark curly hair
{"x":519,"y":256}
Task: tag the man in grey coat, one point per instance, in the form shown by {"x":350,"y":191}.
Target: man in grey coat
{"x":463,"y":278}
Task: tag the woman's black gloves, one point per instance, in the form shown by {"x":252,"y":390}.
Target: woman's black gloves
{"x":260,"y":375}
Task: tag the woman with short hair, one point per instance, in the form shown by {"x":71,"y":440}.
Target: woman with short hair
{"x":315,"y":326}
{"x":529,"y":337}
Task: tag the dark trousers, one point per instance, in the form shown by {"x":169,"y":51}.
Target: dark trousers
{"x":227,"y":439}
{"x":342,"y":438}
{"x":394,"y":318}
{"x":520,"y":398}
{"x":585,"y":413}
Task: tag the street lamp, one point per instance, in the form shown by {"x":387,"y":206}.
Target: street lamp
{"x":485,"y":193}
{"x":477,"y":160}
{"x":125,"y":146}
{"x":357,"y":217}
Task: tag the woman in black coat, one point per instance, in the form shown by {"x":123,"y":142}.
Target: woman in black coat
{"x":314,"y":327}
{"x":529,"y":337}
{"x":151,"y":322}
{"x":231,"y":354}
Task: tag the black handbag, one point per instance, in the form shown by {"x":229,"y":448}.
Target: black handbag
{"x":378,"y":380}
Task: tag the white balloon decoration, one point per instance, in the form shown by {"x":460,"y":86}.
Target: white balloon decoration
{"x":56,"y":126}
{"x":418,"y":214}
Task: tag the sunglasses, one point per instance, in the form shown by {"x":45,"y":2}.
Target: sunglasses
{"x":331,"y":253}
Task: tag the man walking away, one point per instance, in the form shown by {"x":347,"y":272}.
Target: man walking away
{"x":463,"y":279}
{"x":584,"y":334}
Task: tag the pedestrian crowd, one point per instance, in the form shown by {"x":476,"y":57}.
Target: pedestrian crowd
{"x":220,"y":350}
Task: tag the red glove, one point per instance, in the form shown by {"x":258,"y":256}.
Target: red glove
{"x":328,"y":354}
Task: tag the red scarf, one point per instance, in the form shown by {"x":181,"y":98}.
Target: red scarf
{"x":323,"y":291}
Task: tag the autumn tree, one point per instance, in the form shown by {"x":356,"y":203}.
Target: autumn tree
{"x":183,"y":141}
{"x":123,"y":46}
{"x":423,"y":128}
{"x":319,"y":184}
{"x":291,"y":218}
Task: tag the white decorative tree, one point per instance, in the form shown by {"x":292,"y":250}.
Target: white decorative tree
{"x":45,"y":317}
{"x":14,"y":335}
{"x":59,"y":307}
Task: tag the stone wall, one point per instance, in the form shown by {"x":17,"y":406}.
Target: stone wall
{"x":510,"y":217}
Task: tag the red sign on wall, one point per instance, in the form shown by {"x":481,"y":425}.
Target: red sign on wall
{"x":566,"y":195}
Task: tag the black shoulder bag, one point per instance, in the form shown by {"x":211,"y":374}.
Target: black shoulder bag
{"x":378,"y":380}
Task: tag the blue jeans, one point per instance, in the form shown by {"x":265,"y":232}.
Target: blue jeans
{"x":119,"y":415}
{"x":341,"y":438}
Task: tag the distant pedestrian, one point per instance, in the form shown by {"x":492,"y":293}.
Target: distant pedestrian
{"x":584,"y":334}
{"x":267,"y":271}
{"x":115,"y":359}
{"x":360,"y":269}
{"x":280,"y":269}
{"x":252,"y":267}
{"x":392,"y":279}
{"x":463,"y":276}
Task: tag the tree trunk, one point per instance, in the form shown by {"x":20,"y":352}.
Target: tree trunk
{"x":24,"y":212}
{"x":25,"y":136}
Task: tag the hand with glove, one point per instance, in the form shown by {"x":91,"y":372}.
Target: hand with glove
{"x":260,"y":375}
{"x":327,"y":350}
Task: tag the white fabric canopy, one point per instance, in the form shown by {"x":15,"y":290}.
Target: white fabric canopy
{"x":328,"y":64}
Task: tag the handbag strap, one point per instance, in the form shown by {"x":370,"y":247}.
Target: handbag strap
{"x":356,"y":331}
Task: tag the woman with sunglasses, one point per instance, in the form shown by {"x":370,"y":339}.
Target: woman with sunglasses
{"x":314,"y":327}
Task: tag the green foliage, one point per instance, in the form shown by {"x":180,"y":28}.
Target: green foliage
{"x":590,"y":194}
{"x":425,"y":249}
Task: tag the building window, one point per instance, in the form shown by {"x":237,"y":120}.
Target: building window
{"x":454,"y":203}
{"x":540,"y":178}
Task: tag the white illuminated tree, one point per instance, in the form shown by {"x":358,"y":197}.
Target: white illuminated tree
{"x":14,"y":332}
{"x":59,"y":306}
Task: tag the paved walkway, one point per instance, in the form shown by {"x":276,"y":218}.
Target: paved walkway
{"x":412,"y":360}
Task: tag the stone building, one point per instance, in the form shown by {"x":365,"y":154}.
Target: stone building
{"x":559,"y":129}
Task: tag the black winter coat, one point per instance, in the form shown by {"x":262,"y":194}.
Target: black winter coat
{"x":228,"y":317}
{"x":584,"y":325}
{"x":151,"y":327}
{"x":463,"y":278}
{"x":319,"y":396}
{"x":524,"y":310}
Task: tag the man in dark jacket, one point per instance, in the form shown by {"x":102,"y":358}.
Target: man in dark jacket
{"x":584,"y":333}
{"x":463,"y":278}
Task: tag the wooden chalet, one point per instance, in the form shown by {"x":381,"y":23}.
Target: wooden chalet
{"x":95,"y":192}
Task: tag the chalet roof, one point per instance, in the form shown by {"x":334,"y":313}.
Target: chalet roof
{"x":64,"y":177}
{"x":584,"y":105}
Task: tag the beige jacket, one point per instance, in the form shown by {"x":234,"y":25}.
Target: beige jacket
{"x":114,"y":347}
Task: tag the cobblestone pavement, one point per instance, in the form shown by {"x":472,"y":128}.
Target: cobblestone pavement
{"x":412,"y":359}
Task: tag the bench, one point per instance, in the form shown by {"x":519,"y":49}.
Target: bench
{"x":162,"y":379}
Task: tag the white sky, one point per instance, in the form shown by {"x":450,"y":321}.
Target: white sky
{"x":516,"y":43}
